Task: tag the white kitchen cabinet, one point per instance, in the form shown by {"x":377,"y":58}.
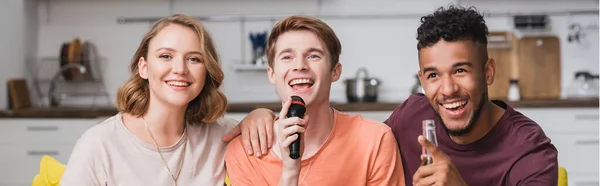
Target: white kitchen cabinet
{"x":575,"y":180}
{"x":25,"y":140}
{"x":21,"y":163}
{"x":564,"y":120}
{"x":577,"y":153}
{"x":44,"y":131}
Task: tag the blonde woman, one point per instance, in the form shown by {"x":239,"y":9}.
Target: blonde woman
{"x":170,"y":129}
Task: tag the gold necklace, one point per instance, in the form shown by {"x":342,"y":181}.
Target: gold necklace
{"x":181,"y":157}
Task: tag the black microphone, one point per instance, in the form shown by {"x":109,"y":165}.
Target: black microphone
{"x":297,"y":109}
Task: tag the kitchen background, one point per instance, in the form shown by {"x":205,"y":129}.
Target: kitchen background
{"x":377,"y":36}
{"x":384,"y":45}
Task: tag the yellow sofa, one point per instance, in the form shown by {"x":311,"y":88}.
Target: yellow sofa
{"x":563,"y":179}
{"x":51,"y":171}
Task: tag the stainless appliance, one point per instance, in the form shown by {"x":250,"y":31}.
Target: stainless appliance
{"x":583,"y":86}
{"x":362,"y":88}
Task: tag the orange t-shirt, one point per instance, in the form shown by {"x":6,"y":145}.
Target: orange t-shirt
{"x":358,"y":151}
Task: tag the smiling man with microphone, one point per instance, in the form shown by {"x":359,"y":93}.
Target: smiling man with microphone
{"x":334,"y":148}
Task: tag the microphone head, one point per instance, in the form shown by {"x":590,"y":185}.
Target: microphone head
{"x":297,"y":100}
{"x":297,"y":108}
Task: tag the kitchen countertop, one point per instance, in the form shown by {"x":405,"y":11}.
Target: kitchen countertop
{"x":247,"y":107}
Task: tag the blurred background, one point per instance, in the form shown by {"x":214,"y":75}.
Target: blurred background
{"x":63,"y":61}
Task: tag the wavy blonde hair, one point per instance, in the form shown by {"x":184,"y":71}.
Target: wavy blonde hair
{"x":133,"y":96}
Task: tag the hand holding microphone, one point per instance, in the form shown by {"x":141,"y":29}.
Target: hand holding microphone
{"x":290,"y":126}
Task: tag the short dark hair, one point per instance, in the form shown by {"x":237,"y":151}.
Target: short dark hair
{"x":452,"y":24}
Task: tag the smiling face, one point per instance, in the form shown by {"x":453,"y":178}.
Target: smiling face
{"x":302,"y":67}
{"x":455,"y":76}
{"x":173,"y":67}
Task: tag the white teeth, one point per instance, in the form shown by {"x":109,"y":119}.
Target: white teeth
{"x":178,"y":83}
{"x":300,"y":81}
{"x":454,"y":105}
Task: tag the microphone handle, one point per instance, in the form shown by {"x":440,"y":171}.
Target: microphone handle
{"x":295,"y":148}
{"x":296,"y":111}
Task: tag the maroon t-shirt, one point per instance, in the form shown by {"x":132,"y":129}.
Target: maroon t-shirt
{"x":515,"y":152}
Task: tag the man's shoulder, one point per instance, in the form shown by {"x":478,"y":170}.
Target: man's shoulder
{"x":414,"y":103}
{"x":535,"y":155}
{"x":521,"y":124}
{"x":359,"y":124}
{"x":235,"y":147}
{"x":524,"y":130}
{"x":366,"y":133}
{"x":414,"y":109}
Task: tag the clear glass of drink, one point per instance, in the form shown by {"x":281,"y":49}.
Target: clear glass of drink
{"x":429,"y":134}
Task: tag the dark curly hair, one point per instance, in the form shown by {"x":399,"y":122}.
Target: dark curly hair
{"x":452,"y":24}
